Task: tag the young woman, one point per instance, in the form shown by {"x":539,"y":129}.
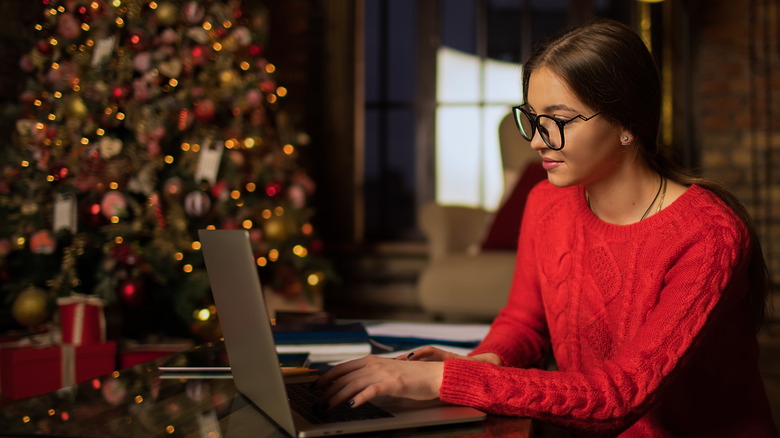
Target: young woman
{"x":647,"y":284}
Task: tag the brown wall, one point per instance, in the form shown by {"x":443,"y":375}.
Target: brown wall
{"x":736,"y":103}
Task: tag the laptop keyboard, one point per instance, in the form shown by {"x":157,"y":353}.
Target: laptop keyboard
{"x":303,"y":398}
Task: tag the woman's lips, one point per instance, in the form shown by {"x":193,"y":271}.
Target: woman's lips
{"x":550,"y":164}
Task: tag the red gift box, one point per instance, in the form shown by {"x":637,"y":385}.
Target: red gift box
{"x":134,"y":353}
{"x":82,"y":319}
{"x":29,"y":371}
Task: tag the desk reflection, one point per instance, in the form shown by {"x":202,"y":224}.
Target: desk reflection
{"x":136,"y":402}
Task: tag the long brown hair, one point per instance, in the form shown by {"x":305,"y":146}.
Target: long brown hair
{"x":607,"y":65}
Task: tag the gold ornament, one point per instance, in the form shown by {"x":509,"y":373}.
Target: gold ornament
{"x":275,"y":228}
{"x":30,"y":307}
{"x":74,"y":107}
{"x":167,"y":13}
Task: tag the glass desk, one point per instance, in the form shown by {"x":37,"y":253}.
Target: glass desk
{"x":137,"y":402}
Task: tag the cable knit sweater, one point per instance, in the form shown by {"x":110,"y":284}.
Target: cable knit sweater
{"x":648,"y":322}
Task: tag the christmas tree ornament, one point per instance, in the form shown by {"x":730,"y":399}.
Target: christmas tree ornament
{"x":193,"y":12}
{"x":29,"y":208}
{"x":132,"y":292}
{"x":205,"y":110}
{"x":113,"y":204}
{"x":65,"y":214}
{"x":208,"y":162}
{"x":125,"y":254}
{"x":254,"y":98}
{"x":74,"y":107}
{"x":42,"y":242}
{"x":109,"y":147}
{"x":172,"y":188}
{"x":197,"y":204}
{"x":31,"y":307}
{"x":68,"y":26}
{"x":142,"y":62}
{"x":114,"y":391}
{"x":167,"y":13}
{"x":275,"y":229}
{"x":171,"y":69}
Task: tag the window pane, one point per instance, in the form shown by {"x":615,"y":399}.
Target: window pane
{"x":503,"y":82}
{"x":459,"y":25}
{"x":492,"y":172}
{"x":457,"y":77}
{"x":505,"y":30}
{"x":401,"y":44}
{"x":458,"y":155}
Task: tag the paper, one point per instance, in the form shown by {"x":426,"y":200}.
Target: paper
{"x":458,"y":333}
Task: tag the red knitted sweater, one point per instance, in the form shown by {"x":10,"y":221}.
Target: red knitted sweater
{"x":648,"y":322}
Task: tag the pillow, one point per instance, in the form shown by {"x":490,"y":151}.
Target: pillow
{"x":505,"y":228}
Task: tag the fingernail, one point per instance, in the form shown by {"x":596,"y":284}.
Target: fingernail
{"x":351,"y":403}
{"x":409,"y":356}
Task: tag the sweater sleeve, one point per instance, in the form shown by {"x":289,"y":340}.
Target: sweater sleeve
{"x":708,"y":268}
{"x":518,"y":335}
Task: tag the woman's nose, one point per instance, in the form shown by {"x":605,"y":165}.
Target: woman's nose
{"x":537,"y":143}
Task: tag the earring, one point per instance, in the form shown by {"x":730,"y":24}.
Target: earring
{"x":624,"y":141}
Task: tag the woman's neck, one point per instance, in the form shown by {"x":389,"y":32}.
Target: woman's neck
{"x":627,"y":196}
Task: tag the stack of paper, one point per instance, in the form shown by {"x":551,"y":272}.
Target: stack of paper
{"x":323,"y":342}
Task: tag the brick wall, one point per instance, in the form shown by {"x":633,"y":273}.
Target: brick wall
{"x":736,"y":96}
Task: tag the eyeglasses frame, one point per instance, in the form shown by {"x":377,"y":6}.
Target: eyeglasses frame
{"x":518,"y":111}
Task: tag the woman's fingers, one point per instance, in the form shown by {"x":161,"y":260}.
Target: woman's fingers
{"x":359,"y":381}
{"x":429,"y":353}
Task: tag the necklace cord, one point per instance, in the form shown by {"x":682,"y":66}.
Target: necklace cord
{"x":661,"y":191}
{"x":660,"y":186}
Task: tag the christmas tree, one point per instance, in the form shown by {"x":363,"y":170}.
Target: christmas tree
{"x":142,"y":122}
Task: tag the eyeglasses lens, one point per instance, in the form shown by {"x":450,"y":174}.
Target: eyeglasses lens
{"x":526,"y":125}
{"x":550,"y":131}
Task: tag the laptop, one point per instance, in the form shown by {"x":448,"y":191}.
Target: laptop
{"x":254,"y":362}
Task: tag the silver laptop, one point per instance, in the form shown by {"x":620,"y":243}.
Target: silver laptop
{"x":254,"y":363}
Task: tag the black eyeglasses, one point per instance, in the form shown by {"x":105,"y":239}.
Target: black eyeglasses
{"x":528,"y":123}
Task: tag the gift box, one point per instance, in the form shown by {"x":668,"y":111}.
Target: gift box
{"x":82,"y":319}
{"x":27,"y":371}
{"x":134,"y":353}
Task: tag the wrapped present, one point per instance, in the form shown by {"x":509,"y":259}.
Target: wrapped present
{"x":82,"y":320}
{"x":134,"y":353}
{"x":27,"y":371}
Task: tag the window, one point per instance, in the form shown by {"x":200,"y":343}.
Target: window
{"x":479,"y":45}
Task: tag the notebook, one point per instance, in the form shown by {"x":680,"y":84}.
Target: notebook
{"x":254,"y":362}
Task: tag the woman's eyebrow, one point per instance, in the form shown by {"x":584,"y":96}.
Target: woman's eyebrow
{"x":559,"y":107}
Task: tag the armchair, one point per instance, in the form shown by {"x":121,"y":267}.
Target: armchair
{"x":472,"y":251}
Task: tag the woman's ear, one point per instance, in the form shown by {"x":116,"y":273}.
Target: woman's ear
{"x":626,"y":138}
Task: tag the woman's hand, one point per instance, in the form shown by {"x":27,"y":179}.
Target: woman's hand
{"x":358,"y":381}
{"x":416,"y":375}
{"x":435,"y":354}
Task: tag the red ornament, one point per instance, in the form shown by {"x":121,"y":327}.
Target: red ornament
{"x":205,"y":110}
{"x":273,"y":188}
{"x":125,"y":254}
{"x":132,"y":292}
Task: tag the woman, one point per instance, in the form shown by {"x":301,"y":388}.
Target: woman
{"x":648,"y":284}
